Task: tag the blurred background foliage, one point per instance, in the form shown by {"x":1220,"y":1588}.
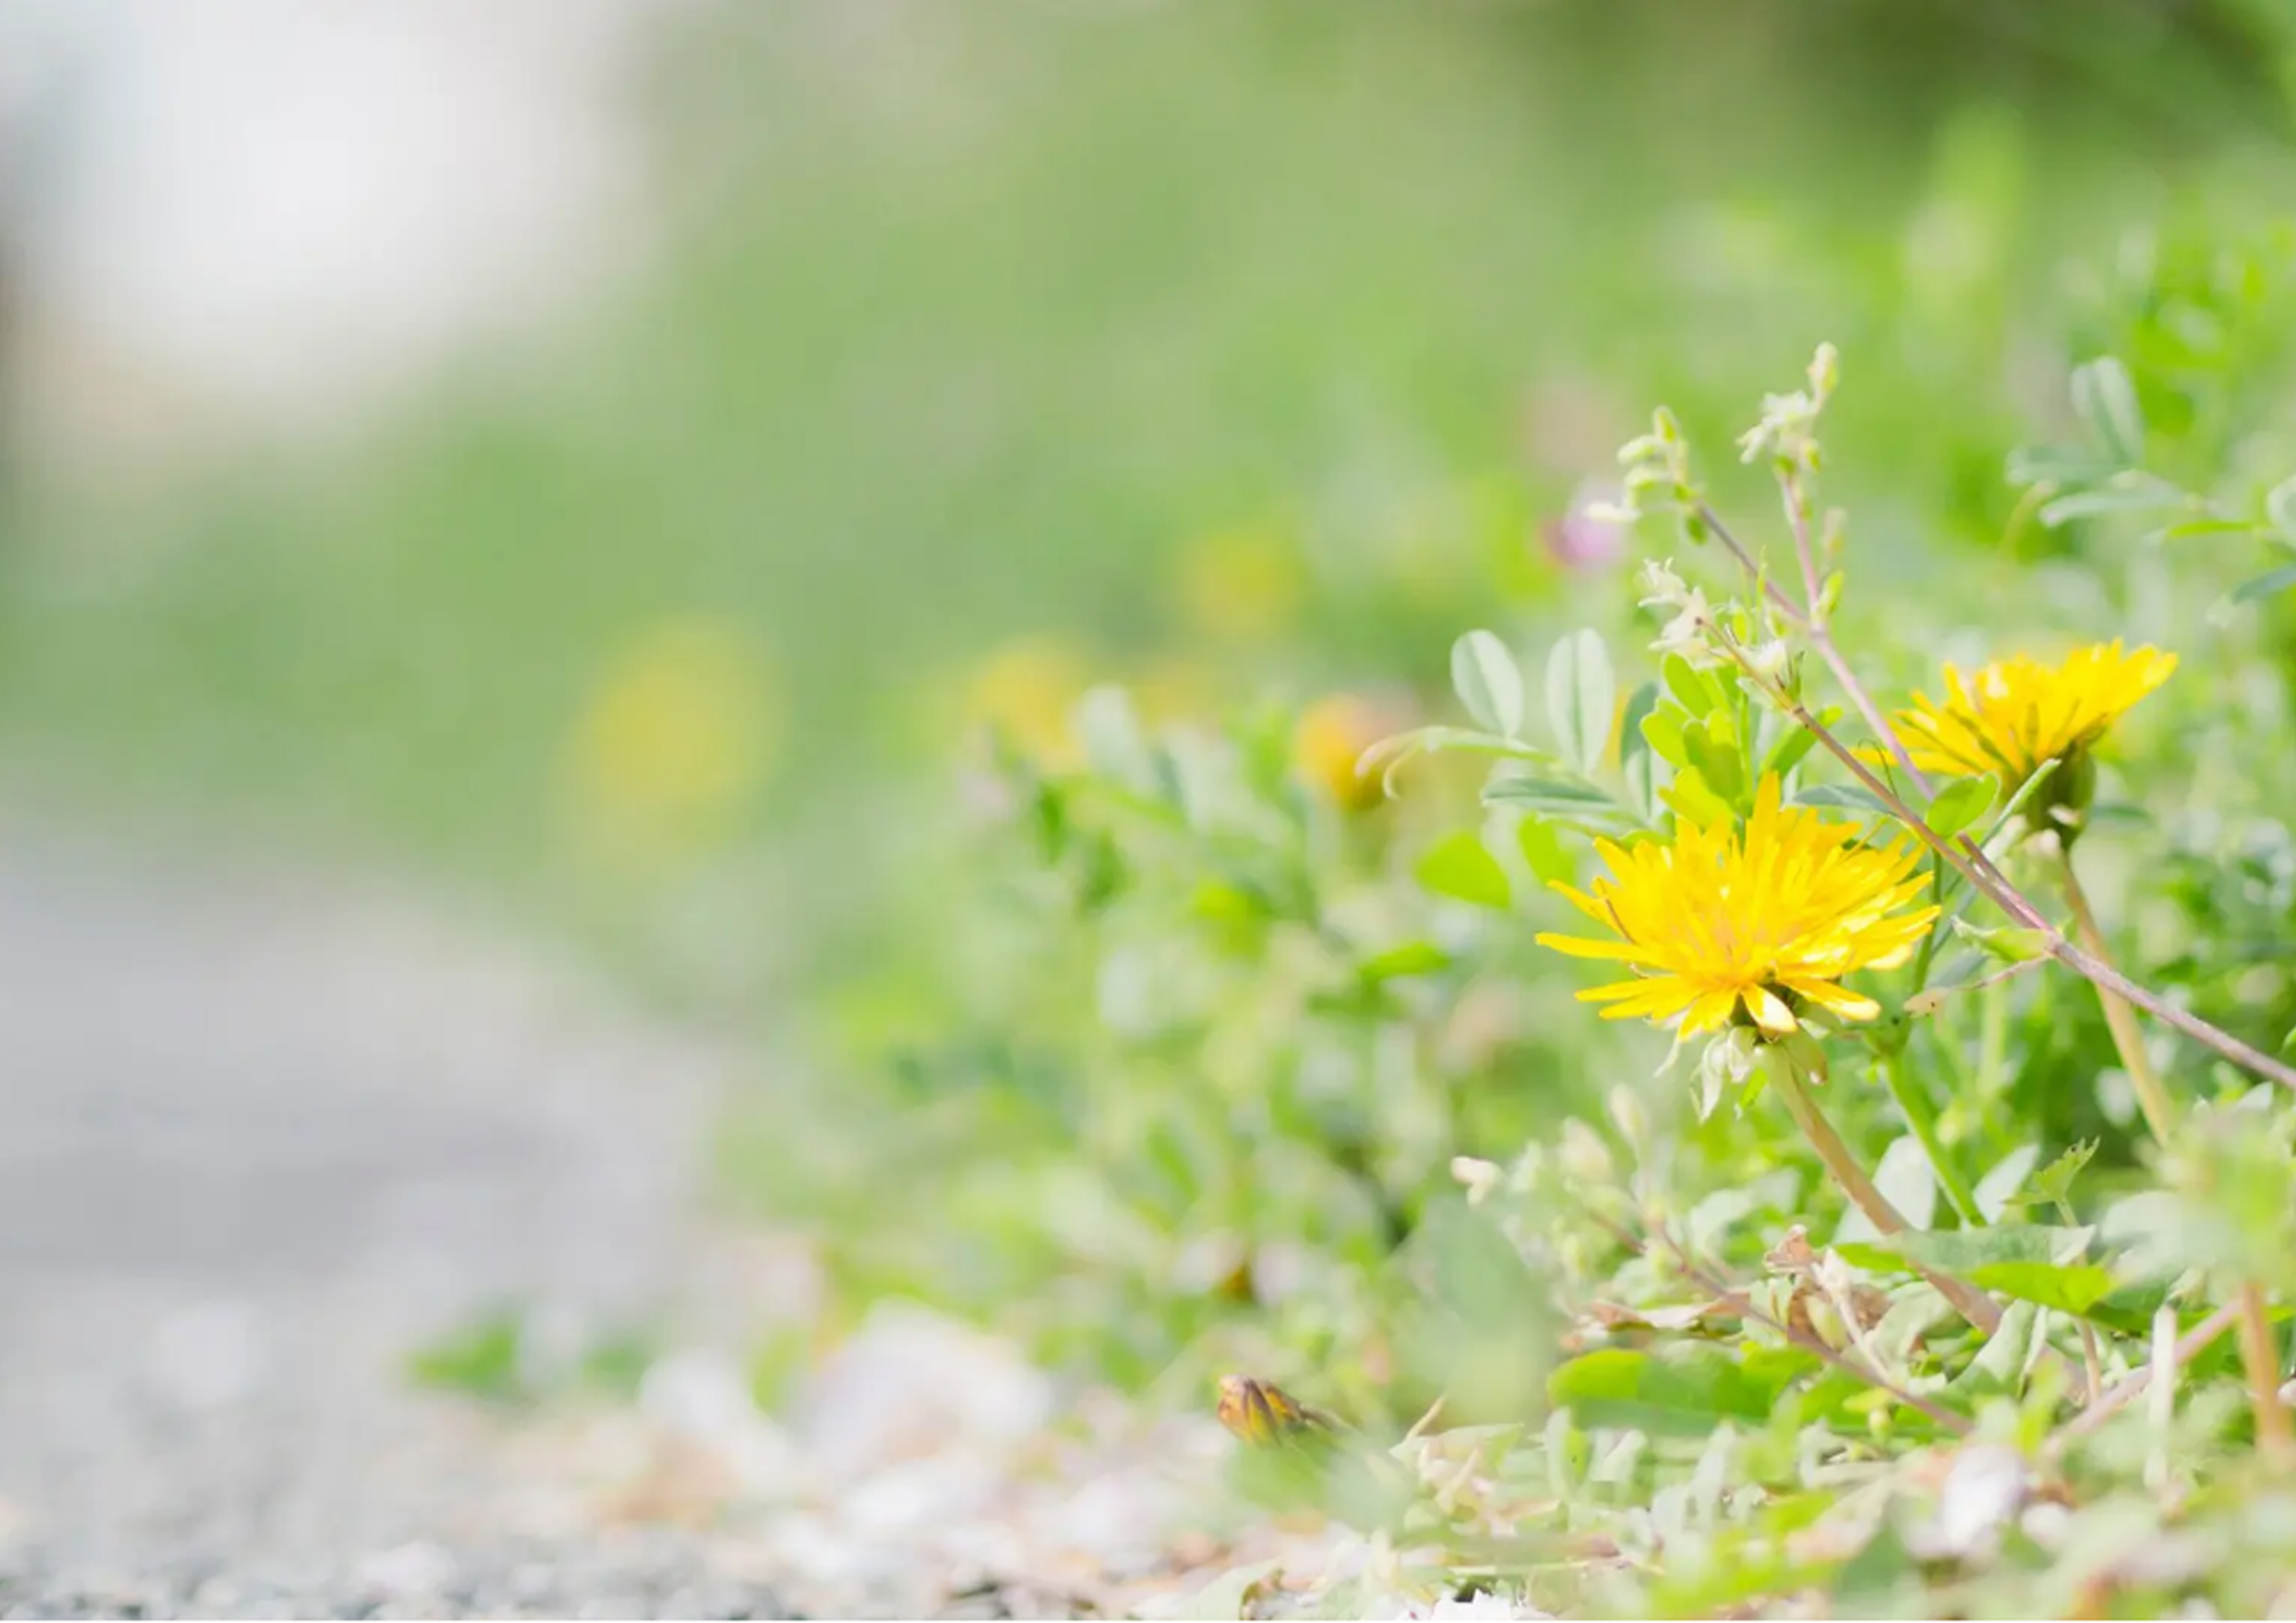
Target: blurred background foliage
{"x":1240,"y":353}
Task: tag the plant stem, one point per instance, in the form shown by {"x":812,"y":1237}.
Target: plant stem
{"x":2196,"y":1341}
{"x":1992,"y":1042}
{"x":2259,"y":1355}
{"x":2119,"y":1018}
{"x":1740,"y":1303}
{"x":1922,"y":1003}
{"x":1811,"y":622}
{"x":2092,"y":1362}
{"x":1914,"y":1104}
{"x":1966,"y":857}
{"x":2259,"y":1351}
{"x":1786,"y":1078}
{"x":1978,"y":869}
{"x":2092,"y":1366}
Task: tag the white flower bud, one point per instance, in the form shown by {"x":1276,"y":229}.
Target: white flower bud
{"x":1585,"y":1158}
{"x":1627,"y":1115}
{"x":1478,"y":1177}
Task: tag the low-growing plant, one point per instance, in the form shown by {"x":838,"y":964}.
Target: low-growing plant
{"x":1984,"y":1387}
{"x":1905,"y":1221}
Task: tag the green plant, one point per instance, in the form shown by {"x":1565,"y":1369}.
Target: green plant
{"x":1930,"y":1258}
{"x":1964,"y":1366}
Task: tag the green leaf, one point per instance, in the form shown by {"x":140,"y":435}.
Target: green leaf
{"x":1843,"y":797}
{"x":1905,"y":1177}
{"x":2010,"y":943}
{"x":2129,"y":1309}
{"x":2280,"y":508}
{"x":2056,"y":465}
{"x":1489,"y":682}
{"x":2003,"y":1357}
{"x":2265,"y":585}
{"x":1458,"y":867}
{"x":2055,"y":1181}
{"x":2184,"y":529}
{"x":1644,"y":771}
{"x":1410,"y":958}
{"x":1789,"y":751}
{"x":1647,"y":777}
{"x":1561,"y":796}
{"x":1682,"y":1391}
{"x":1388,"y":756}
{"x":1966,"y":1250}
{"x":1640,"y":707}
{"x":2123,"y":493}
{"x":1715,"y":752}
{"x":1581,"y":698}
{"x":1961,"y":803}
{"x":1544,"y":851}
{"x":1878,"y":1580}
{"x":1696,"y":691}
{"x":1693,"y":801}
{"x":2106,"y":401}
{"x":1662,"y":730}
{"x":1997,"y":1188}
{"x":2025,"y":791}
{"x":1479,"y":1332}
{"x":480,"y":1358}
{"x":2074,"y":1288}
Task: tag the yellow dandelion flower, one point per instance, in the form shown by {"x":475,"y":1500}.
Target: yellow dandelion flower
{"x":1026,"y":689}
{"x":1241,"y":584}
{"x":1330,"y":738}
{"x":1260,"y":1412}
{"x":2015,"y":714}
{"x":1175,"y":689}
{"x":677,"y":737}
{"x":1767,"y":921}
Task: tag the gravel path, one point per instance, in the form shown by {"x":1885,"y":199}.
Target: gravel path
{"x":263,"y":1135}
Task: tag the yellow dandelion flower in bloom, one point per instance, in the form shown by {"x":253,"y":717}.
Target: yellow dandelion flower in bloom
{"x":2018,"y":713}
{"x":1767,"y":921}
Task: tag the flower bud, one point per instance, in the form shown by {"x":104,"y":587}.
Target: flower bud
{"x":1627,"y":1115}
{"x":1477,"y":1178}
{"x":1329,"y":743}
{"x":1769,"y":661}
{"x":1585,"y":1158}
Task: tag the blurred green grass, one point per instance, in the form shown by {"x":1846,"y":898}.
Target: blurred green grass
{"x":973,"y":315}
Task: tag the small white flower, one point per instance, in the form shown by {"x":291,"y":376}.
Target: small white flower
{"x":1478,"y":1177}
{"x":1767,"y":660}
{"x":1687,"y":632}
{"x":1661,"y":588}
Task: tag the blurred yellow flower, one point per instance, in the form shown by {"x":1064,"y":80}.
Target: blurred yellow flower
{"x":1330,"y":737}
{"x":1766,"y":922}
{"x":679,"y":731}
{"x":1026,"y":690}
{"x":1240,"y":584}
{"x":1176,"y":689}
{"x":2017,"y":713}
{"x":1261,"y":1413}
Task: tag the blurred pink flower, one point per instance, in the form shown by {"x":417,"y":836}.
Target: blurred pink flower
{"x":1585,"y":539}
